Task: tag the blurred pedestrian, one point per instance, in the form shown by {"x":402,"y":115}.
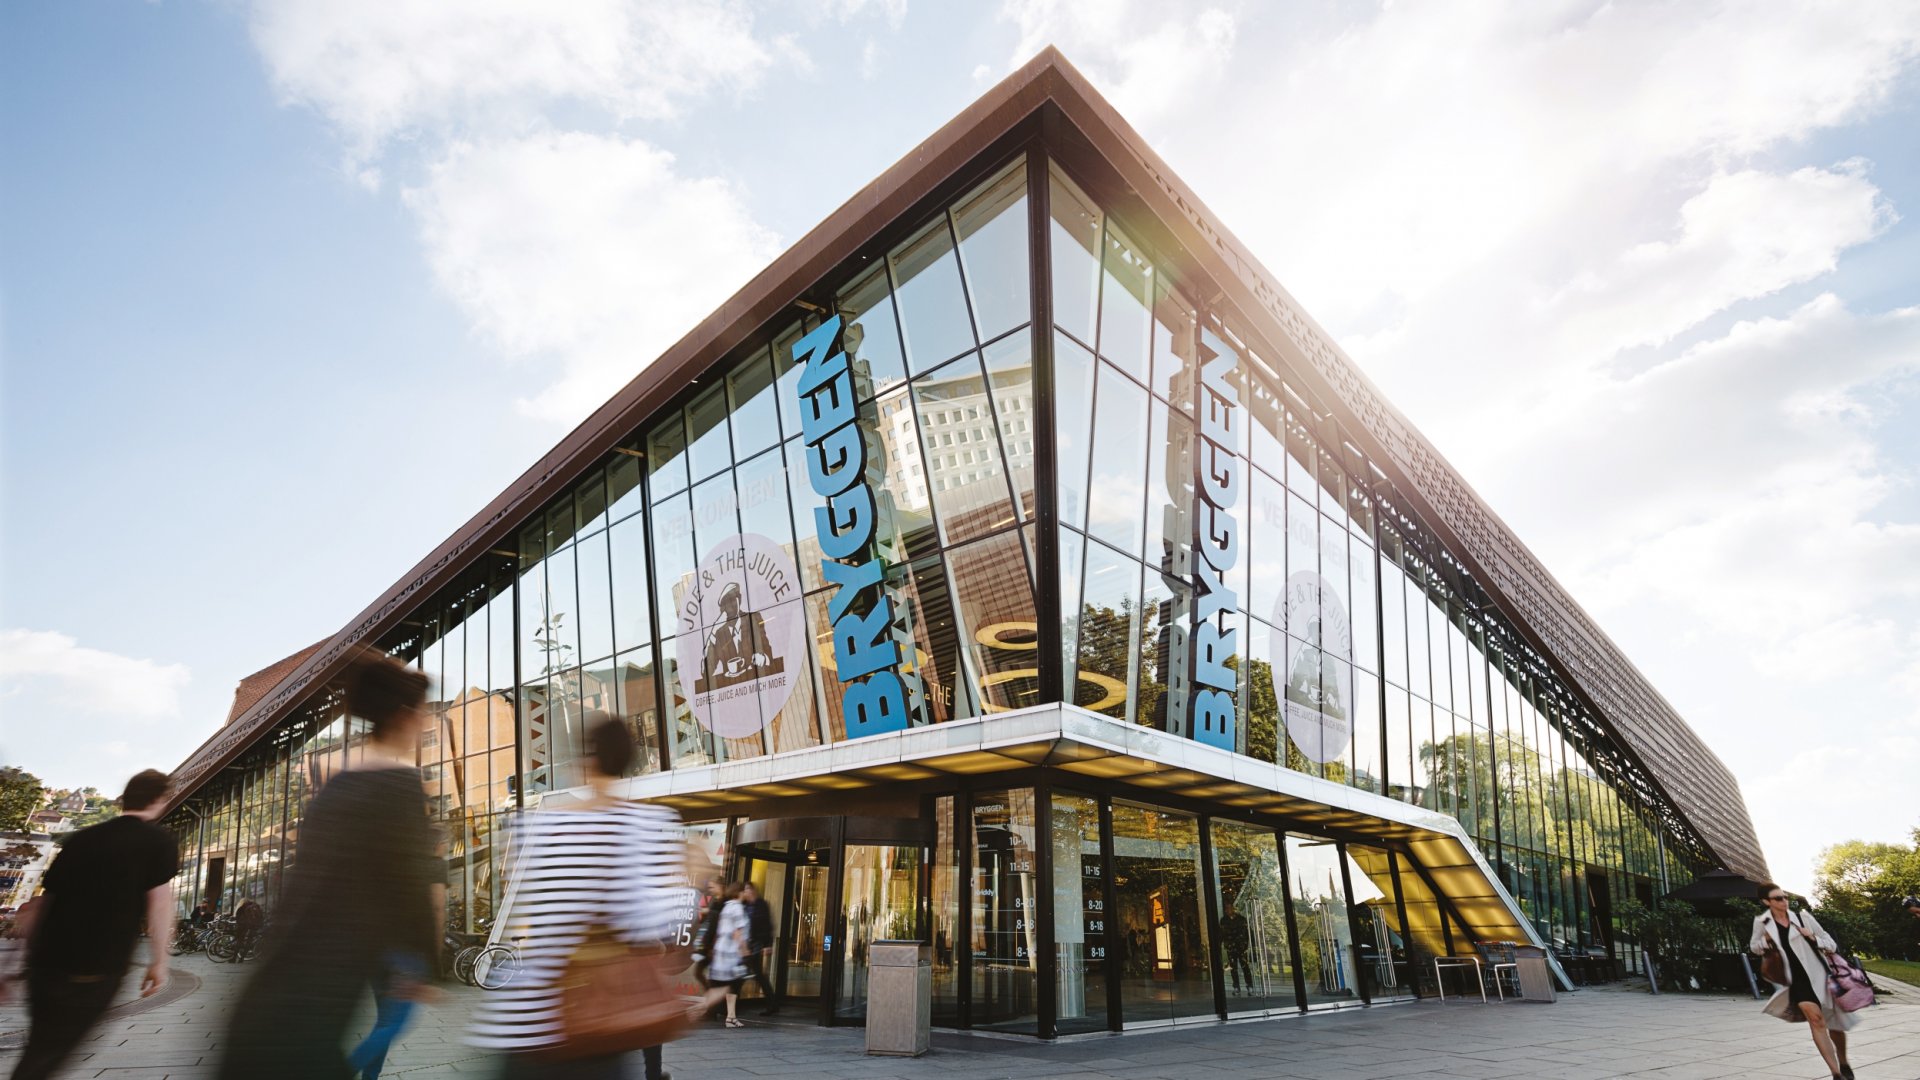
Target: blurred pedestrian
{"x":759,"y":945}
{"x":248,"y":920}
{"x":599,"y":866}
{"x":105,"y":880}
{"x":727,"y":958}
{"x":395,"y":994}
{"x":365,"y":887}
{"x":1804,"y":997}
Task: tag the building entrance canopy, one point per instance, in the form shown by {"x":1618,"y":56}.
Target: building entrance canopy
{"x":1162,"y":766}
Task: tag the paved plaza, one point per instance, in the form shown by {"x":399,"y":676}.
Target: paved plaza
{"x":1590,"y":1035}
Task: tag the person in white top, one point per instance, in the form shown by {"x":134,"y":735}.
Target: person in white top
{"x":1805,"y":998}
{"x":599,"y":861}
{"x":727,"y":958}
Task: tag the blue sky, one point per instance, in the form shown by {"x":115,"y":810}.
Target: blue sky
{"x":288,"y":289}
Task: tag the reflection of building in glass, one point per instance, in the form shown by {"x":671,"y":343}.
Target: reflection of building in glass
{"x":1066,"y":379}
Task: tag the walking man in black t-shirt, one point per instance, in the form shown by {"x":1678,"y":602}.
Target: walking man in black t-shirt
{"x":100,"y":887}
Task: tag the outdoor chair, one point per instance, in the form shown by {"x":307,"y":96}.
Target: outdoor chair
{"x":1498,"y":956}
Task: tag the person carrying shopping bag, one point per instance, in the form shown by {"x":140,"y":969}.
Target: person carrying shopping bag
{"x":599,"y":886}
{"x":1793,"y":947}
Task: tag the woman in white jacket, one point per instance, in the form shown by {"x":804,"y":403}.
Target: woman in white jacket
{"x":1805,"y":997}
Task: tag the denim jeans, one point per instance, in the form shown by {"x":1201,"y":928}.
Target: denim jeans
{"x":389,"y":1020}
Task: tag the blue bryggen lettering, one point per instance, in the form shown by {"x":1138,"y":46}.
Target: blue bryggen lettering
{"x":1217,"y":543}
{"x":872,"y":696}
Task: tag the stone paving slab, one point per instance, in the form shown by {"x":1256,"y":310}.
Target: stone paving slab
{"x":1599,"y":1034}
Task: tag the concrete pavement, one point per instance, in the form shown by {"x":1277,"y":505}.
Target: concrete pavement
{"x":1590,"y":1035}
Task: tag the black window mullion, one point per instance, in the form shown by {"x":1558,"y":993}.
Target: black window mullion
{"x":1116,"y":956}
{"x":1048,"y":960}
{"x":1353,"y":924}
{"x":1046,"y":461}
{"x":1209,"y":886}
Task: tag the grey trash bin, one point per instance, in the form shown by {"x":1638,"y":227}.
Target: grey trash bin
{"x":1535,"y":973}
{"x":899,"y":997}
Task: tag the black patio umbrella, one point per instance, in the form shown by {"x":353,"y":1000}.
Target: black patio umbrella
{"x":1710,"y":891}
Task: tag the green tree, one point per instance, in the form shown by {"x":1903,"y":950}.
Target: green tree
{"x":1858,"y":885}
{"x":21,"y":793}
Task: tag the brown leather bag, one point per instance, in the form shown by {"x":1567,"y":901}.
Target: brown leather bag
{"x":1773,"y":966}
{"x":615,"y":998}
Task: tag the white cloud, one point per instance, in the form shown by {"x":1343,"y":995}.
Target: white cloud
{"x":1152,"y":60}
{"x":56,"y":668}
{"x":378,"y":69}
{"x":586,"y":251}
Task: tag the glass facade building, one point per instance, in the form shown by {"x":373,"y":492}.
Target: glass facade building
{"x":1003,"y":571}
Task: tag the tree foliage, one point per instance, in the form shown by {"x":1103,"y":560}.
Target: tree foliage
{"x":1859,"y":884}
{"x":21,"y":793}
{"x":1682,"y":941}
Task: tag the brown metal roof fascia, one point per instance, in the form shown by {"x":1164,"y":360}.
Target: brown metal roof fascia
{"x":995,"y":116}
{"x":1693,"y":778}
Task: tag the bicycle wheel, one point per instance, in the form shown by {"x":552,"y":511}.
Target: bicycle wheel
{"x":184,"y":944}
{"x":495,"y":967}
{"x":463,"y":963}
{"x":222,"y":948}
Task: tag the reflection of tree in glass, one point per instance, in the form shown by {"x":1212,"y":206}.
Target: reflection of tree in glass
{"x":1106,"y":643}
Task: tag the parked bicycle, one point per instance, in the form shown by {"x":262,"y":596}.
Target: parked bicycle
{"x":496,"y":965}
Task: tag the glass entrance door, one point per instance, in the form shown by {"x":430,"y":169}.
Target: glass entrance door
{"x":806,"y":930}
{"x":882,"y":887}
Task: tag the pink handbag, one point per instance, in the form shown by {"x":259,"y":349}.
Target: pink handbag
{"x":1847,"y":984}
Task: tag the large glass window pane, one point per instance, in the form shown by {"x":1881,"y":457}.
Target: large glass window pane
{"x":1161,"y":700}
{"x":1073,"y":426}
{"x":1399,"y":769}
{"x":673,"y":560}
{"x":559,"y":640}
{"x":1118,"y":483}
{"x":756,"y":415}
{"x":1362,"y":611}
{"x":623,"y":485}
{"x":1266,"y":549}
{"x":870,"y":334}
{"x":1126,"y":293}
{"x":962,"y":442}
{"x":1075,"y":255}
{"x":1393,"y":622}
{"x":1266,"y":691}
{"x":667,"y":456}
{"x":1156,"y":877}
{"x":932,"y":304}
{"x":1250,"y":893}
{"x":709,"y":448}
{"x":1419,"y":671}
{"x":1320,"y":918}
{"x":639,"y":707}
{"x":998,"y":632}
{"x":992,"y":224}
{"x":632,"y":592}
{"x":1073,"y":554}
{"x":1173,"y":347}
{"x":1169,"y":520}
{"x":590,"y":502}
{"x":1005,"y":903}
{"x":1079,"y":914}
{"x":925,"y":630}
{"x":596,"y":598}
{"x":1010,"y":370}
{"x":1365,"y":773}
{"x":1109,"y":631}
{"x":690,"y":742}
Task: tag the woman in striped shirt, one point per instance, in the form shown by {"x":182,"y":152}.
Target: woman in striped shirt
{"x":598,"y":862}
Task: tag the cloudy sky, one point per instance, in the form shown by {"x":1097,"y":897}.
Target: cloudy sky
{"x":292,"y":287}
